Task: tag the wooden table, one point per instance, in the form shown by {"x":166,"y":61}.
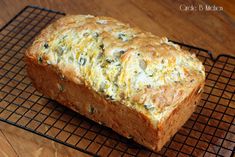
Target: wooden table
{"x":212,"y":30}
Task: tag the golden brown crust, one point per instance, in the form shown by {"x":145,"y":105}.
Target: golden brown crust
{"x":177,"y":75}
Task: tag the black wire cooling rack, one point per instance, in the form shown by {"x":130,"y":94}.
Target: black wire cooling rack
{"x":209,"y":132}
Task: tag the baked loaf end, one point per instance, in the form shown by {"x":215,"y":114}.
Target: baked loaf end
{"x":140,"y":85}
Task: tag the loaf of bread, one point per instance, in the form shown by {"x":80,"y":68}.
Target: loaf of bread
{"x":140,"y":85}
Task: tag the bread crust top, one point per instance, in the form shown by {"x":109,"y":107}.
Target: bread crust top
{"x":143,"y":71}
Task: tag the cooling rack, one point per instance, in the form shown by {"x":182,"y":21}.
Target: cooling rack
{"x":209,"y":132}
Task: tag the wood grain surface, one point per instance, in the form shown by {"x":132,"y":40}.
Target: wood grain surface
{"x":212,"y":30}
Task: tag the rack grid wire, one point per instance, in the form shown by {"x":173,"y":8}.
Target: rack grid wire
{"x":209,"y":132}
